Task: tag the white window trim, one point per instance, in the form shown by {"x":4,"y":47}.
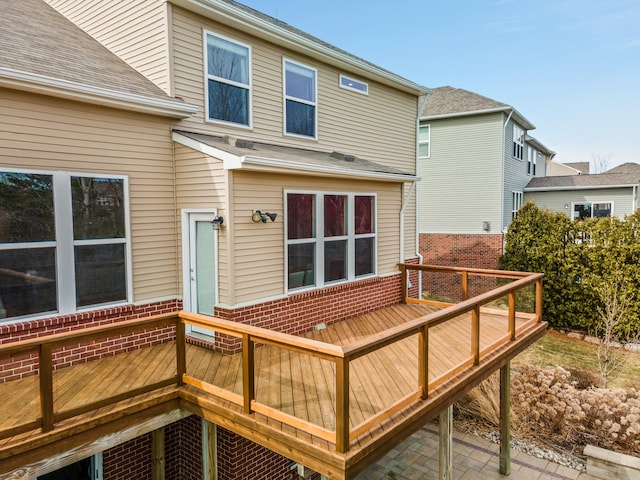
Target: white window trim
{"x":285,"y":97}
{"x":345,"y":78}
{"x":208,"y":77}
{"x":65,"y":243}
{"x":582,"y":202}
{"x":518,"y":139}
{"x":421,"y":142}
{"x":517,"y":200}
{"x":319,"y":241}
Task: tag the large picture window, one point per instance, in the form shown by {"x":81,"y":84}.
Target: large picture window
{"x":63,"y":242}
{"x":228,"y":80}
{"x":331,"y":238}
{"x":580,"y":211}
{"x":300,"y":99}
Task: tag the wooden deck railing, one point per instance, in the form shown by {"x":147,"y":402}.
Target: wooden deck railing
{"x":341,"y":356}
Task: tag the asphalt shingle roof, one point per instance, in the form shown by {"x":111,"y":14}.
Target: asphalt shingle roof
{"x":585,"y":181}
{"x":628,"y":168}
{"x":449,"y":100}
{"x":36,"y":39}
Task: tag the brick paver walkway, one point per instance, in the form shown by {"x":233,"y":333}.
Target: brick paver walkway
{"x":474,"y":458}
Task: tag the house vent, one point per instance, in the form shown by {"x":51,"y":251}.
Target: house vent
{"x":229,"y":140}
{"x":343,"y":156}
{"x":241,"y":143}
{"x":349,"y":158}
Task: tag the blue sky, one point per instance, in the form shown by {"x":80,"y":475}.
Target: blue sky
{"x":571,"y":67}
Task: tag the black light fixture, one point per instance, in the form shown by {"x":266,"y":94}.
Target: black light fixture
{"x":217,"y":222}
{"x":259,"y":216}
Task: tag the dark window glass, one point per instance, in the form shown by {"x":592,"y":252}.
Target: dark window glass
{"x":301,"y":118}
{"x":335,"y":215}
{"x":364,"y":256}
{"x":98,"y":208}
{"x":300,"y":216}
{"x":27,"y":281}
{"x":77,"y":471}
{"x":26,"y":208}
{"x":582,"y":210}
{"x":364,"y":214}
{"x":228,"y":103}
{"x":335,"y":260}
{"x":601,"y":210}
{"x":301,"y":260}
{"x":300,"y":82}
{"x":100,"y":274}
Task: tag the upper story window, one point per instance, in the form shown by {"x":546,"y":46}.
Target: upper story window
{"x":300,"y":110}
{"x":424,"y":141}
{"x":580,"y":211}
{"x":355,"y":85}
{"x":63,"y":242}
{"x":532,"y":159}
{"x":518,"y":142}
{"x":517,"y":199}
{"x":330,"y":238}
{"x":228,"y":70}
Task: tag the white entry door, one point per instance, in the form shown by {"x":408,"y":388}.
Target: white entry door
{"x":200,"y":266}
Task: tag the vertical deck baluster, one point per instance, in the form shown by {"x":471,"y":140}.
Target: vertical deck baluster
{"x":248,"y":372}
{"x":423,"y":358}
{"x":181,"y":350}
{"x":403,"y":280}
{"x":45,"y":363}
{"x":475,"y":334}
{"x":512,"y":316}
{"x":465,"y":285}
{"x":539,"y":299}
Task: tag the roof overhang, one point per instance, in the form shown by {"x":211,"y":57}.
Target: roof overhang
{"x":539,"y":146}
{"x":275,"y":164}
{"x":578,"y":187}
{"x":517,"y":116}
{"x":34,"y":83}
{"x":245,"y":21}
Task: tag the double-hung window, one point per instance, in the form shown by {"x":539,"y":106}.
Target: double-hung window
{"x":331,"y":237}
{"x":300,"y":109}
{"x":518,"y":142}
{"x":532,"y":158}
{"x":63,"y":242}
{"x":424,"y":141}
{"x":517,"y":199}
{"x":228,"y":72}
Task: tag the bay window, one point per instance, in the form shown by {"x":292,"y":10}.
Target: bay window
{"x":63,"y":242}
{"x":331,"y":238}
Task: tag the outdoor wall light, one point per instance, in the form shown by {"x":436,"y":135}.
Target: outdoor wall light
{"x":258,"y":216}
{"x":217,"y":222}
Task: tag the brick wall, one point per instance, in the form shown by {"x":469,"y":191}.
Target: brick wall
{"x":241,"y":459}
{"x":25,"y":365}
{"x":130,"y":460}
{"x":183,"y":449}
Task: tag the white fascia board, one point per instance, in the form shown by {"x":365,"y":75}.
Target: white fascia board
{"x":276,"y":165}
{"x":41,"y":84}
{"x":573,"y":187}
{"x":248,"y":23}
{"x":521,"y":119}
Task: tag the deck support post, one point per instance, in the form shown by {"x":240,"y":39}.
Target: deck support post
{"x":446,"y":443}
{"x":157,"y":454}
{"x":210,"y":444}
{"x":505,"y":421}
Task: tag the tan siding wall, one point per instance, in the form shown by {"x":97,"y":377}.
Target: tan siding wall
{"x":135,"y":30}
{"x":51,"y":134}
{"x":622,"y":199}
{"x":201,"y":183}
{"x":461,"y":182}
{"x":379,"y":127}
{"x":260,"y":248}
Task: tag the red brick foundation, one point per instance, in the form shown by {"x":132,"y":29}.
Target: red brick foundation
{"x":131,"y":459}
{"x":183,"y":449}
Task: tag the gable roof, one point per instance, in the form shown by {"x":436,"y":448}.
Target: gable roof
{"x":582,"y":182}
{"x":41,"y":51}
{"x":448,"y":101}
{"x":582,"y":167}
{"x":628,"y":168}
{"x":281,"y":33}
{"x":243,"y":154}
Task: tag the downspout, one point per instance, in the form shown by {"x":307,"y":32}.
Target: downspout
{"x":504,"y":164}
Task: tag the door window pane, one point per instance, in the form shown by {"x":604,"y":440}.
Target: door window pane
{"x":100,"y":274}
{"x":335,"y":215}
{"x":98,"y":208}
{"x":301,"y":261}
{"x":26,"y":208}
{"x":335,"y":260}
{"x":205,"y":268}
{"x":300,"y":216}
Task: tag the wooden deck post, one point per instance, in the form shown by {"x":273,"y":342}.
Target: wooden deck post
{"x":248,"y":372}
{"x":446,"y":443}
{"x":342,"y":405}
{"x":157,"y":454}
{"x":181,"y":350}
{"x":403,"y":286}
{"x":423,"y":359}
{"x":465,"y":285}
{"x":512,"y":316}
{"x":45,"y":364}
{"x":475,"y":335}
{"x":505,"y":421}
{"x":539,"y":299}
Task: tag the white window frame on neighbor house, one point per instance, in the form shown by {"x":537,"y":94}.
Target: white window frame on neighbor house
{"x":424,"y":143}
{"x":294,"y":99}
{"x":228,"y":82}
{"x":354,"y":85}
{"x":517,"y":200}
{"x":319,"y":240}
{"x":591,"y":204}
{"x":532,"y":160}
{"x":65,"y":244}
{"x":518,"y":142}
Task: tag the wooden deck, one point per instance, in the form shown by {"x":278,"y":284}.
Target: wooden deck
{"x":300,"y":398}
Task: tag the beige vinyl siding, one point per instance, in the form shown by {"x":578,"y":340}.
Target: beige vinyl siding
{"x":379,"y":126}
{"x":260,"y":247}
{"x":460,"y":183}
{"x":622,"y":198}
{"x":49,"y":134}
{"x":135,"y":30}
